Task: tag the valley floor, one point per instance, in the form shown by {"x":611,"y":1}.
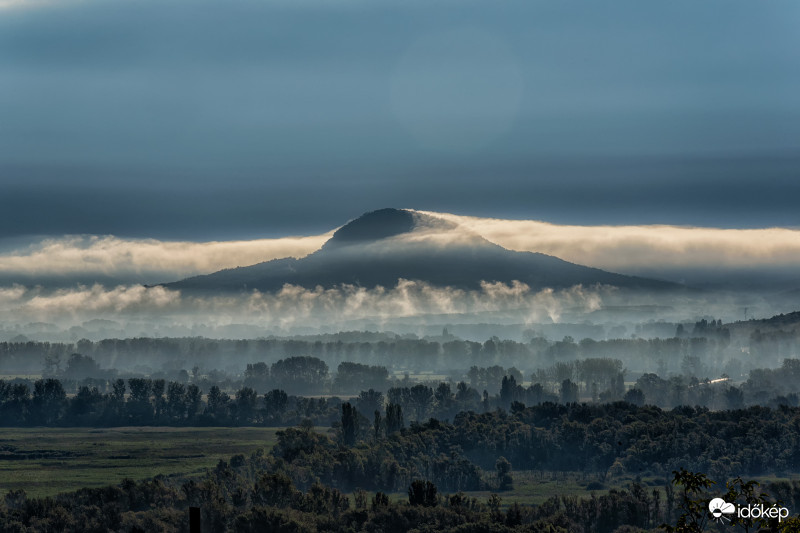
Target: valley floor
{"x":47,"y":461}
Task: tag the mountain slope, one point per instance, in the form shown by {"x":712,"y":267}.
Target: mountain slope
{"x":383,"y":246}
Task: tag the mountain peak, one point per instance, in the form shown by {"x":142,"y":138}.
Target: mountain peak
{"x":375,"y":225}
{"x":380,"y":247}
{"x":385,"y":223}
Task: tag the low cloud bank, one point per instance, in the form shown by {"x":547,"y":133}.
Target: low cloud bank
{"x":291,"y":306}
{"x":634,"y":247}
{"x":147,"y":260}
{"x":98,"y":312}
{"x":672,"y":252}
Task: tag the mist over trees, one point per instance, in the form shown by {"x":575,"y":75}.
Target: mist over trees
{"x":255,"y":398}
{"x":430,"y":418}
{"x":704,"y":349}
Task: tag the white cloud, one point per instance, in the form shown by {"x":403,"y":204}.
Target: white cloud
{"x":97,"y":299}
{"x":631,"y":247}
{"x":292,"y":305}
{"x":149,"y":258}
{"x":616,"y":248}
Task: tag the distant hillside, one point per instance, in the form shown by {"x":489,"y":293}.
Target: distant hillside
{"x":380,"y":247}
{"x":778,"y":321}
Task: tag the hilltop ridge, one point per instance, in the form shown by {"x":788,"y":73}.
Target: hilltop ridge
{"x":380,"y":247}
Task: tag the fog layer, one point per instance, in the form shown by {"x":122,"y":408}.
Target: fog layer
{"x":692,"y":255}
{"x":506,"y":310}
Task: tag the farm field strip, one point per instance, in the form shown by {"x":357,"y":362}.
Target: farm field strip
{"x":46,"y":461}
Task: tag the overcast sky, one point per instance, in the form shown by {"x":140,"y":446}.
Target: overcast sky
{"x":195,"y":120}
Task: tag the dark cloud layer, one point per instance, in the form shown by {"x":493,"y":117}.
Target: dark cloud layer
{"x":202,"y":120}
{"x":722,"y":192}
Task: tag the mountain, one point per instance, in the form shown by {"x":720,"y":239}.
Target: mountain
{"x":380,"y":247}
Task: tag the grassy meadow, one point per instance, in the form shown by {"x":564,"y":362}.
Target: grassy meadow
{"x":46,"y":461}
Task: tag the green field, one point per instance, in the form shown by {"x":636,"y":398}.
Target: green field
{"x":46,"y":461}
{"x":531,"y":488}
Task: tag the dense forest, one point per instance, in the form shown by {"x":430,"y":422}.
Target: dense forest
{"x":247,"y":495}
{"x":309,"y":482}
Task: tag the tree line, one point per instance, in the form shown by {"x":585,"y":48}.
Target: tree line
{"x":270,"y":492}
{"x":147,"y":401}
{"x":609,"y":441}
{"x":171,"y":355}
